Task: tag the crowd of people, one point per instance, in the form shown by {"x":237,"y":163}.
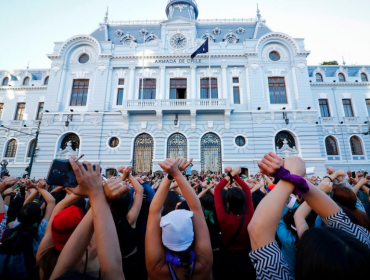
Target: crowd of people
{"x":277,"y":224}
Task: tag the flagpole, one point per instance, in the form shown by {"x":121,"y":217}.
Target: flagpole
{"x":142,"y":80}
{"x":209,"y":72}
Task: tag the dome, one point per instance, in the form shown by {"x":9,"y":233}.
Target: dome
{"x":182,"y":8}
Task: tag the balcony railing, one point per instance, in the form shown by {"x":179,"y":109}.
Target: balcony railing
{"x":177,"y":103}
{"x":351,"y":119}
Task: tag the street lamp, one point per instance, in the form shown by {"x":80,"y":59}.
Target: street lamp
{"x":285,"y":116}
{"x":69,"y":118}
{"x":176,"y":121}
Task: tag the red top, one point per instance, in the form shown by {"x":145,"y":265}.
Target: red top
{"x":229,"y":223}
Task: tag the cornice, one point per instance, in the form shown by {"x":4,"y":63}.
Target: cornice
{"x":22,"y":87}
{"x":341,"y":84}
{"x":174,"y":56}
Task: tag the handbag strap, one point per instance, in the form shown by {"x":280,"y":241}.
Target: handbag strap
{"x":232,"y":240}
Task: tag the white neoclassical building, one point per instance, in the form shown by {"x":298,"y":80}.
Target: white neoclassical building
{"x":129,"y":94}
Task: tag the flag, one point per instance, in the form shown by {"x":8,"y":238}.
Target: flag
{"x":202,"y":49}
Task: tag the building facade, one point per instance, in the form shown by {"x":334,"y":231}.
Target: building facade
{"x":129,"y":94}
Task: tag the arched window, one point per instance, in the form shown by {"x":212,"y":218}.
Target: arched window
{"x":356,"y":146}
{"x":11,"y":149}
{"x":5,"y":81}
{"x":30,"y":148}
{"x":318,"y":78}
{"x":211,"y":158}
{"x":26,"y":81}
{"x":143,"y":153}
{"x":284,"y":135}
{"x":364,"y":77}
{"x":331,"y":146}
{"x":46,"y":82}
{"x":177,"y":146}
{"x":341,"y":77}
{"x":73,"y":138}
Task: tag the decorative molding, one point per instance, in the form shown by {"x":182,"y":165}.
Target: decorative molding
{"x":102,"y":67}
{"x":301,"y":66}
{"x":21,"y":98}
{"x":227,"y":120}
{"x":178,"y":72}
{"x":309,"y":118}
{"x":254,"y":65}
{"x":56,"y":68}
{"x":23,"y":88}
{"x":323,"y":95}
{"x":159,"y":115}
{"x":147,"y":73}
{"x":41,"y":98}
{"x":193,"y":115}
{"x":81,"y":74}
{"x":281,"y":36}
{"x":258,"y":118}
{"x":367,"y":95}
{"x":210,"y":125}
{"x":82,"y":38}
{"x":126,"y":120}
{"x":272,"y":114}
{"x":276,"y":71}
{"x":346,"y":95}
{"x":121,"y":73}
{"x":235,"y":72}
{"x":217,"y":31}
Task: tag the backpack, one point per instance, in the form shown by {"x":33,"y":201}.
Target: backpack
{"x":17,"y":260}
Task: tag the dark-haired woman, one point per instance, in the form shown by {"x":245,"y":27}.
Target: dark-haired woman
{"x":339,"y":251}
{"x":177,"y":246}
{"x":234,"y":227}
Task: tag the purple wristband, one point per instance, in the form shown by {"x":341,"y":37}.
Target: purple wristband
{"x":300,"y":184}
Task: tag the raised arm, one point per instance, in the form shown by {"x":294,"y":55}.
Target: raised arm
{"x":90,"y":185}
{"x":265,"y":221}
{"x":361,"y":182}
{"x":49,"y":199}
{"x":300,"y":218}
{"x":202,"y":245}
{"x":134,"y":212}
{"x":155,"y":256}
{"x":75,"y":248}
{"x":249,"y":210}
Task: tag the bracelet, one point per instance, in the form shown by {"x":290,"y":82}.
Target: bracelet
{"x":329,"y":178}
{"x":300,"y":184}
{"x":169,"y":177}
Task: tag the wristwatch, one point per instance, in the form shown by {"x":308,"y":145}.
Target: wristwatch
{"x":169,"y":177}
{"x":331,"y":180}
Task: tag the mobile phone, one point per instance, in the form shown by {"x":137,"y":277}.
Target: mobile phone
{"x":365,"y":173}
{"x":291,"y":201}
{"x":353,"y":174}
{"x":61,"y":174}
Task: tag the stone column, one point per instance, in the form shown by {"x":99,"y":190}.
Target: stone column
{"x":247,"y":84}
{"x":109,"y":89}
{"x":225,"y":92}
{"x":61,"y":88}
{"x":295,"y":85}
{"x":162,"y":86}
{"x":193,"y":80}
{"x":131,"y":95}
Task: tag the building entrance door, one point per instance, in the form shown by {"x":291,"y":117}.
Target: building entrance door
{"x":143,"y":154}
{"x":178,"y":89}
{"x":211,"y":159}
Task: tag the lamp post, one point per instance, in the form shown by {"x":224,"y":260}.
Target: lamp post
{"x":34,"y":148}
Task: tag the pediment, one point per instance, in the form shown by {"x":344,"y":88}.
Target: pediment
{"x":179,"y":21}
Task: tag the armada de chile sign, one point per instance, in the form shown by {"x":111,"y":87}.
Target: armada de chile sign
{"x":174,"y":61}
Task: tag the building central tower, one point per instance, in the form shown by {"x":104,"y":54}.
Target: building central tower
{"x":182,"y":8}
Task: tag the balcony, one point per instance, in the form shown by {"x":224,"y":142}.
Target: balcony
{"x":177,"y":104}
{"x":351,"y":119}
{"x":326,"y":119}
{"x":16,"y":123}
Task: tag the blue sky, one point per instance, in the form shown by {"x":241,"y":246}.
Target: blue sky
{"x":331,"y":28}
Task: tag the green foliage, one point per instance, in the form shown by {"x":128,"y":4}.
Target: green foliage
{"x":333,"y":62}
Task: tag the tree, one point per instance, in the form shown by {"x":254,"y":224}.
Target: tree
{"x":333,"y":62}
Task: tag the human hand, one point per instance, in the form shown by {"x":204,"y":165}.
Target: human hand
{"x":174,"y":185}
{"x":270,"y":164}
{"x":8,"y":183}
{"x":340,"y":173}
{"x":41,"y":183}
{"x":295,"y":165}
{"x":236,"y":171}
{"x":170,"y":166}
{"x":115,"y":188}
{"x":89,"y":181}
{"x":326,"y":187}
{"x":364,"y":180}
{"x":9,"y":191}
{"x":126,"y":171}
{"x":359,"y":175}
{"x":183,"y":164}
{"x":228,"y":169}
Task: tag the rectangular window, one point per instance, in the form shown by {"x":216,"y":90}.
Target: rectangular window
{"x":324,"y":108}
{"x":367,"y":106}
{"x":235,"y":80}
{"x":1,"y":110}
{"x":40,"y":110}
{"x":204,"y":88}
{"x":236,"y":95}
{"x":120,"y":96}
{"x":347,"y":106}
{"x":79,"y":92}
{"x":277,"y":90}
{"x":121,"y":82}
{"x":150,"y":87}
{"x":20,"y":111}
{"x":178,"y":88}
